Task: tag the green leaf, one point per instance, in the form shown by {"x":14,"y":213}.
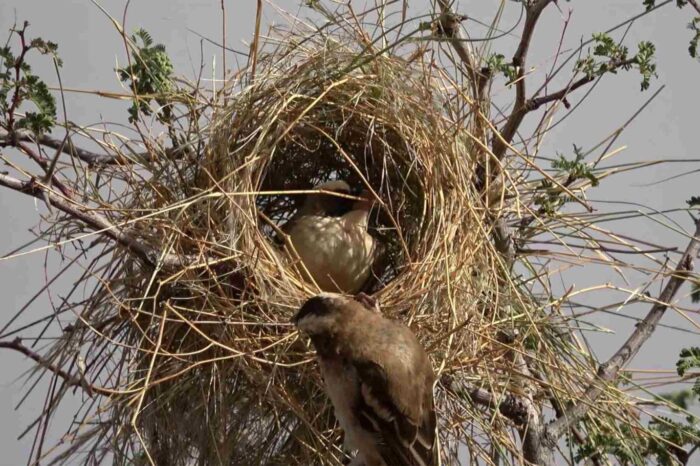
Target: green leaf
{"x":681,"y":398}
{"x":694,"y":26}
{"x":149,"y":76}
{"x":497,"y":63}
{"x":689,"y":359}
{"x":695,"y":293}
{"x":18,"y":85}
{"x":612,"y":57}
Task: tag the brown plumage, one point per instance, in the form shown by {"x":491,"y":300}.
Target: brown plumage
{"x":379,"y":379}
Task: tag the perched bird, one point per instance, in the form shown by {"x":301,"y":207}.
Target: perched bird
{"x":378,"y":378}
{"x":329,"y":233}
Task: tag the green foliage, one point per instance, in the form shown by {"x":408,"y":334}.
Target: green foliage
{"x":666,"y":446}
{"x":576,"y":169}
{"x":681,"y":398}
{"x":672,"y":439}
{"x":649,"y":4}
{"x":645,"y":64}
{"x":18,"y":85}
{"x":694,"y":201}
{"x":695,"y":293}
{"x":149,"y":75}
{"x":611,"y":442}
{"x":609,"y":56}
{"x":694,"y":26}
{"x":550,"y":197}
{"x":689,"y":359}
{"x":497,"y":64}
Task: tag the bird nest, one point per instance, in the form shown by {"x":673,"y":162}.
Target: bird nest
{"x":229,"y":381}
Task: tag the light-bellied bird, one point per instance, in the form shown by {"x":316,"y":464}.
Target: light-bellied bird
{"x":378,"y":378}
{"x":329,"y":234}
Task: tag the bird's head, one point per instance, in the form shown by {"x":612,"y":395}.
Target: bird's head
{"x":321,"y":314}
{"x":329,"y":205}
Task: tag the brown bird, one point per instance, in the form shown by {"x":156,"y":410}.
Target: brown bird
{"x":378,"y":378}
{"x":329,"y":234}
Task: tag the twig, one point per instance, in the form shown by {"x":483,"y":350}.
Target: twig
{"x":537,"y":102}
{"x":256,"y":38}
{"x":71,"y":380}
{"x":95,"y":221}
{"x":509,"y":405}
{"x":608,"y":371}
{"x":46,"y":165}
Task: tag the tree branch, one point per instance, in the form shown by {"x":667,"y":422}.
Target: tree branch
{"x":695,"y":5}
{"x":91,"y":158}
{"x":454,"y":34}
{"x":507,"y":404}
{"x":537,"y":102}
{"x":71,"y":380}
{"x":95,"y":221}
{"x":608,"y":371}
{"x":501,"y":141}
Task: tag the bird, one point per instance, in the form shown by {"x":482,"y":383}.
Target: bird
{"x":329,"y":235}
{"x":379,"y":380}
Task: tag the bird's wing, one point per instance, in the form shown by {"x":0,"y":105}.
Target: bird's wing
{"x":403,"y":439}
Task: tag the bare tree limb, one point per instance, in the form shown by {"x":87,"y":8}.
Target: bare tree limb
{"x":608,"y":371}
{"x":694,"y":4}
{"x":450,"y":25}
{"x":94,"y":220}
{"x":91,"y":158}
{"x":71,"y":380}
{"x":67,"y":147}
{"x":500,"y":141}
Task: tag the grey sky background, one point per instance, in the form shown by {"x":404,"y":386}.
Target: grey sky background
{"x":91,"y":48}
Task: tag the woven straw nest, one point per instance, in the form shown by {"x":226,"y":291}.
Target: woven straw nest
{"x":327,"y":110}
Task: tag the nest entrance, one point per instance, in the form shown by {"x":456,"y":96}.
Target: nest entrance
{"x":363,"y":153}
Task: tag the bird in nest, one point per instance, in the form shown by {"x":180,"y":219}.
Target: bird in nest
{"x":329,"y":235}
{"x":378,"y":378}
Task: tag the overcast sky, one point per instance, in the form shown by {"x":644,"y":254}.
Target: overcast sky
{"x":91,"y":49}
